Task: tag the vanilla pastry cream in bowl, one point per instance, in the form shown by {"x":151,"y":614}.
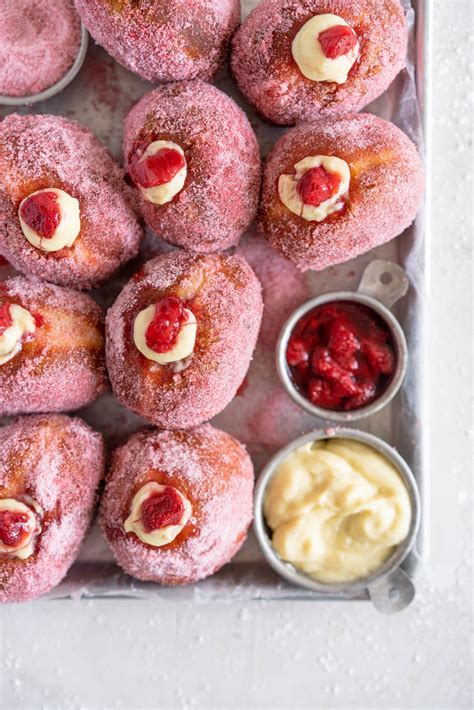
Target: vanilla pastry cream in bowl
{"x":338,"y":513}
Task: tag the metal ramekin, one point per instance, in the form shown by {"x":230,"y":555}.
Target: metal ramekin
{"x":390,"y":588}
{"x":54,"y":89}
{"x":383,"y":283}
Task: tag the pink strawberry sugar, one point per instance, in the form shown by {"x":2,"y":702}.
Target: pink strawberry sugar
{"x":263,"y":416}
{"x":384,"y":195}
{"x":268,"y":76}
{"x":229,"y":309}
{"x":219,"y":198}
{"x":39,"y":41}
{"x":166,"y":40}
{"x":50,"y":151}
{"x":60,"y":376}
{"x":58,"y":461}
{"x":217,"y":475}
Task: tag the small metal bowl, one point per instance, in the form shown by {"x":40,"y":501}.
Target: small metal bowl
{"x":382,"y":284}
{"x":389,"y":587}
{"x":54,"y":89}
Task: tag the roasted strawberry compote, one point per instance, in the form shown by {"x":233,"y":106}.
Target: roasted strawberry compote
{"x":158,"y":514}
{"x":318,"y":185}
{"x":326,"y":48}
{"x":317,"y":189}
{"x":341,"y":356}
{"x":17,"y":326}
{"x":50,"y":219}
{"x":337,"y":40}
{"x":41,"y":213}
{"x":160,"y":171}
{"x":20,"y":524}
{"x":165,"y":331}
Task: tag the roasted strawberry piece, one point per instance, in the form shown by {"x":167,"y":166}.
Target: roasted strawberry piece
{"x":298,"y":351}
{"x":379,"y":356}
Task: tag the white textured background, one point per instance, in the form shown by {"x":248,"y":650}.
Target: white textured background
{"x":122,"y":654}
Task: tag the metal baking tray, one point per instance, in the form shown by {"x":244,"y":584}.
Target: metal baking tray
{"x":99,"y":97}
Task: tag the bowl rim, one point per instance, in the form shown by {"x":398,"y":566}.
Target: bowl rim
{"x":59,"y":85}
{"x":288,"y":571}
{"x":398,"y":337}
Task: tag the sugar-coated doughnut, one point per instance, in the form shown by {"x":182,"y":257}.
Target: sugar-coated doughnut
{"x":177,"y":505}
{"x":50,"y":466}
{"x":163,"y":40}
{"x":337,"y":188}
{"x":51,"y":348}
{"x":39,"y":41}
{"x":302,"y":60}
{"x":64,"y":211}
{"x":180,"y":337}
{"x":194,"y":158}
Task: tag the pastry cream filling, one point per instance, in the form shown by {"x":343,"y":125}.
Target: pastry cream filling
{"x":185,"y":341}
{"x":337,"y":509}
{"x":289,"y":195}
{"x":12,"y":338}
{"x":309,"y":55}
{"x":68,"y":228}
{"x":161,"y":536}
{"x":161,"y":194}
{"x":26,"y":548}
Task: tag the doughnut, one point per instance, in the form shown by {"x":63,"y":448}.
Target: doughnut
{"x":52,"y":355}
{"x":300,"y":61}
{"x":194,"y":159}
{"x":50,"y":466}
{"x":39,"y":41}
{"x":338,"y":188}
{"x":177,"y":504}
{"x":64,"y":214}
{"x":180,"y":337}
{"x":163,"y":40}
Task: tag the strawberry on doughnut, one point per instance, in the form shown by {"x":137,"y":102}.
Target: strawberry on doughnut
{"x":163,"y":40}
{"x":51,"y":348}
{"x":64,"y":211}
{"x":180,"y":337}
{"x":300,"y":61}
{"x":50,"y":466}
{"x":177,"y":505}
{"x":194,"y":159}
{"x":337,"y":188}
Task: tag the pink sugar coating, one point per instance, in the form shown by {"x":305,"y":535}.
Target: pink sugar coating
{"x":61,"y":461}
{"x":38,"y":151}
{"x":62,"y":376}
{"x":269,"y":77}
{"x":263,"y":416}
{"x":39,"y":41}
{"x":163,"y":40}
{"x":218,"y":473}
{"x":229,"y":310}
{"x":220,"y":195}
{"x":383,"y":198}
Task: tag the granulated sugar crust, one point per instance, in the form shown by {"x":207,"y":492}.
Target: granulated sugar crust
{"x":384,"y":194}
{"x":210,"y":468}
{"x":225,"y":296}
{"x":63,"y":366}
{"x":220,"y":195}
{"x":58,"y":461}
{"x":267,"y":74}
{"x":163,"y":40}
{"x":49,"y":151}
{"x":39,"y":41}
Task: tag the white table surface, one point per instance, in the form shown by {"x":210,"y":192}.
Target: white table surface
{"x":122,"y":654}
